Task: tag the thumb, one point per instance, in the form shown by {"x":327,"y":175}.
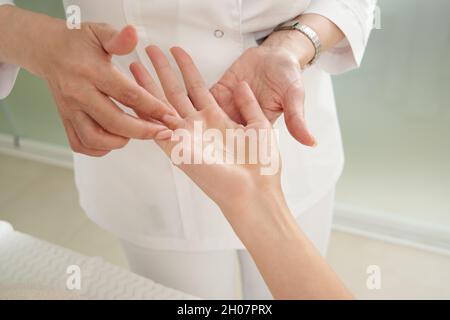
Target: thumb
{"x":294,"y":115}
{"x":115,"y":42}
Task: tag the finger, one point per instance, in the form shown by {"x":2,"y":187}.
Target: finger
{"x":129,"y":93}
{"x":248,"y":105}
{"x":173,"y":122}
{"x":173,"y":90}
{"x":76,"y":144}
{"x":113,"y":41}
{"x":225,"y":99}
{"x":294,"y":115}
{"x":114,"y":120}
{"x":93,"y":136}
{"x":198,"y":93}
{"x":145,"y":80}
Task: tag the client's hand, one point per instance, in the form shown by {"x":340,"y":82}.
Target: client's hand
{"x":231,"y":163}
{"x":198,"y":141}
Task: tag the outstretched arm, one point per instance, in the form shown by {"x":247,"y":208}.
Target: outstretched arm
{"x":253,"y":203}
{"x":288,"y":261}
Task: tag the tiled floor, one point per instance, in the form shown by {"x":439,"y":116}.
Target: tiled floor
{"x":41,"y":200}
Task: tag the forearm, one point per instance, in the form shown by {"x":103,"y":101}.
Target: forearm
{"x":299,"y":45}
{"x":288,"y":261}
{"x":23,"y":37}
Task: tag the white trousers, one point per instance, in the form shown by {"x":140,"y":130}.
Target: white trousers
{"x":218,"y":274}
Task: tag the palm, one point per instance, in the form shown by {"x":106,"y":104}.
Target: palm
{"x":276,"y":80}
{"x":218,"y":179}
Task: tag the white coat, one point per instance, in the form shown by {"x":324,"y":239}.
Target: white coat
{"x":135,"y":192}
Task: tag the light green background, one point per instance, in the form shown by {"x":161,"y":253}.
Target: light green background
{"x":394,"y":112}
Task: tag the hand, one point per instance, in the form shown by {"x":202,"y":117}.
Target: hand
{"x":82,"y":78}
{"x":275,"y":76}
{"x":77,"y":67}
{"x":225,"y":183}
{"x":254,"y":204}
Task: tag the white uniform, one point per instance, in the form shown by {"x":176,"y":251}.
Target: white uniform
{"x":137,"y":194}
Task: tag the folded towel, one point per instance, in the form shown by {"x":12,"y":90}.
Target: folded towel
{"x":32,"y":268}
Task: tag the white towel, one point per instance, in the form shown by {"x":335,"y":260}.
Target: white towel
{"x":35,"y":269}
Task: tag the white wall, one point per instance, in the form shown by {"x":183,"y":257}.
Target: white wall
{"x":395,"y":115}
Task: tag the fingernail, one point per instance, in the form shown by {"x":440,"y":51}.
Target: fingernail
{"x":166,"y":118}
{"x":157,"y":127}
{"x":164,"y":135}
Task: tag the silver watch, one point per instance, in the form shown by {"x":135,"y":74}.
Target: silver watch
{"x":308,"y":32}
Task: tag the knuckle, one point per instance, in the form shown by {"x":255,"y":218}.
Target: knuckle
{"x":120,"y":143}
{"x":90,"y":141}
{"x":245,"y":101}
{"x":97,"y":28}
{"x":297,"y":88}
{"x":81,"y":65}
{"x":114,"y":126}
{"x":76,"y":147}
{"x":210,"y":114}
{"x":123,"y":143}
{"x":197,"y":85}
{"x":64,"y":109}
{"x":198,"y":91}
{"x":71,"y":89}
{"x":98,"y":154}
{"x":86,"y":70}
{"x":129,"y":97}
{"x":175,"y":91}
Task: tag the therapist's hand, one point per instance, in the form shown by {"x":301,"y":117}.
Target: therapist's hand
{"x":274,"y":73}
{"x":82,"y":79}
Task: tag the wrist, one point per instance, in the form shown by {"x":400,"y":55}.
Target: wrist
{"x":43,"y":45}
{"x":26,"y":38}
{"x":298,"y":44}
{"x":261,"y":214}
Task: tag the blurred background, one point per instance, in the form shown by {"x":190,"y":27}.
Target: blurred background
{"x":393,"y":200}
